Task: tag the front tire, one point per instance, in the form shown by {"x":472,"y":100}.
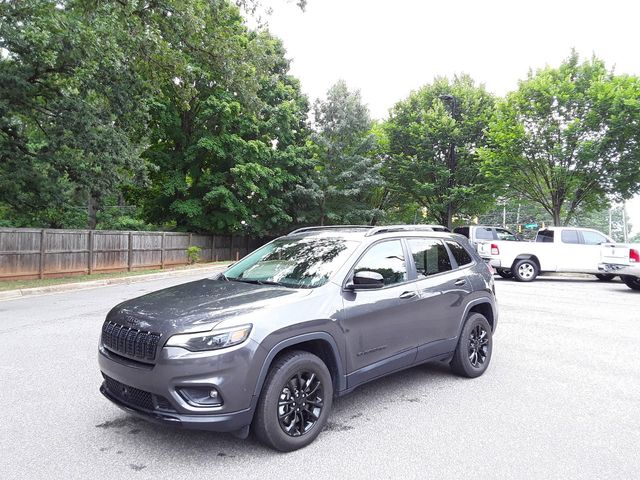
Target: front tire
{"x":525,"y":270}
{"x":605,"y":277}
{"x":632,"y":282}
{"x":294,"y":403}
{"x":473,"y":352}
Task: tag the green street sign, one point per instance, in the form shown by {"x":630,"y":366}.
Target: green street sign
{"x":531,"y":226}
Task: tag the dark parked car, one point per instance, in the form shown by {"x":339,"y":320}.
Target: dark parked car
{"x":272,"y":340}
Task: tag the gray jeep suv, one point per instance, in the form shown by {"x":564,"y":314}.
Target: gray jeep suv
{"x":312,"y":315}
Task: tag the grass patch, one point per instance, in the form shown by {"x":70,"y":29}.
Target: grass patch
{"x":46,"y":282}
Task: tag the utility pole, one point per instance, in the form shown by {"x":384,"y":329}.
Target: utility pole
{"x":452,"y":160}
{"x":624,"y":222}
{"x":610,"y":222}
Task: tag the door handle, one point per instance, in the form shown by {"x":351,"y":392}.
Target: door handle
{"x":405,"y":295}
{"x":459,"y":282}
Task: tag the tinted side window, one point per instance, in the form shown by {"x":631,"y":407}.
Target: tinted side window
{"x":545,"y":236}
{"x":459,"y":253}
{"x":462,"y":231}
{"x":387,"y":259}
{"x":593,"y":238}
{"x":483,"y":233}
{"x":430,"y":256}
{"x":570,"y":236}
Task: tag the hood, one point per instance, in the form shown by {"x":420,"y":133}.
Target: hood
{"x":196,"y":306}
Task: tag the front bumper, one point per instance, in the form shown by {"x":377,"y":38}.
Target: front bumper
{"x":619,"y":269}
{"x":228,"y":422}
{"x":151,"y":391}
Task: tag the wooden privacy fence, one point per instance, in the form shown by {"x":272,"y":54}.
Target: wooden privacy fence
{"x":40,"y":253}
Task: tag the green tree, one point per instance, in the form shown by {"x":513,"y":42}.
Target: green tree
{"x":223,"y":160}
{"x":72,"y":111}
{"x":422,"y":131}
{"x":98,"y":98}
{"x":346,"y":169}
{"x":568,"y":138}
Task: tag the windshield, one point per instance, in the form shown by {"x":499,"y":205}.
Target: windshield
{"x":293,"y":262}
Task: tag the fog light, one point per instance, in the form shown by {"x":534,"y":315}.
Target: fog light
{"x":201,"y":396}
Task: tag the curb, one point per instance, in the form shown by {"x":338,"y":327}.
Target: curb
{"x":69,"y":287}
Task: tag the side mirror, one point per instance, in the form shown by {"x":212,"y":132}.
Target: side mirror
{"x":366,"y":280}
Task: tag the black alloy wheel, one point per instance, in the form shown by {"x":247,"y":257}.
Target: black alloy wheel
{"x":300,"y":404}
{"x":473,"y":352}
{"x":478,"y":346}
{"x":295,"y":401}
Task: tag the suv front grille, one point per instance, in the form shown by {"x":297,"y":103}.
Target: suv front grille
{"x":136,"y":397}
{"x":129,"y":341}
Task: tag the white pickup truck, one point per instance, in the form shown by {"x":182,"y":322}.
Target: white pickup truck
{"x":555,"y":249}
{"x":624,"y":260}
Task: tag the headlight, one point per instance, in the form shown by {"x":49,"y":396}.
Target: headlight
{"x":213,"y":340}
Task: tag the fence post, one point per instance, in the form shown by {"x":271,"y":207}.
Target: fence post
{"x":43,"y":234}
{"x":130,"y":254}
{"x":213,"y":247}
{"x":90,"y":252}
{"x":162,"y":251}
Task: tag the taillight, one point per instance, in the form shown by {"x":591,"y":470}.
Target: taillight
{"x":494,"y":249}
{"x":634,"y":255}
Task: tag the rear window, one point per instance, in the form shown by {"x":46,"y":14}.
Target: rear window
{"x":430,"y":256}
{"x":593,"y":238}
{"x":545,"y":236}
{"x":483,"y":233}
{"x":459,"y":253}
{"x":570,"y":236}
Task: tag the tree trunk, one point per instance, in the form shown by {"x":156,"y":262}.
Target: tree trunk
{"x":557,"y":221}
{"x":322,"y":207}
{"x":449,"y":217}
{"x":92,"y":210}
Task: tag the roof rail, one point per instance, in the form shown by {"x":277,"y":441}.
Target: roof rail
{"x":404,"y":228}
{"x":328,"y":227}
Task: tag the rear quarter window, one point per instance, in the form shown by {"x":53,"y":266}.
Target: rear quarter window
{"x":460,"y":254}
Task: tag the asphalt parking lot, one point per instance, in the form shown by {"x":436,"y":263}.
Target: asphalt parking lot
{"x":561,"y":399}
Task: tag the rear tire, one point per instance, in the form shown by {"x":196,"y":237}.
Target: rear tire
{"x":632,"y":282}
{"x":505,"y":273}
{"x":473,"y":352}
{"x":525,"y":270}
{"x":605,"y":277}
{"x":294,"y":403}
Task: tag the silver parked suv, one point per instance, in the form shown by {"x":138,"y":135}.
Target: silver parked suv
{"x":270,"y":342}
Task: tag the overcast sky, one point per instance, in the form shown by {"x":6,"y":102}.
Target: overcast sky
{"x":388,"y":48}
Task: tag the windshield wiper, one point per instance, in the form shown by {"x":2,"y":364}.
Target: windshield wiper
{"x":254,"y":281}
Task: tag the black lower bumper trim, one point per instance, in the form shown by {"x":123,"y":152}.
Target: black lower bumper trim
{"x":227,"y":422}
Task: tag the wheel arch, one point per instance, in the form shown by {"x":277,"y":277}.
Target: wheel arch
{"x":526,"y":256}
{"x":485,"y":307}
{"x":320,"y":344}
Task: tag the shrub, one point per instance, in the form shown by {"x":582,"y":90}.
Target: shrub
{"x":193,"y":254}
